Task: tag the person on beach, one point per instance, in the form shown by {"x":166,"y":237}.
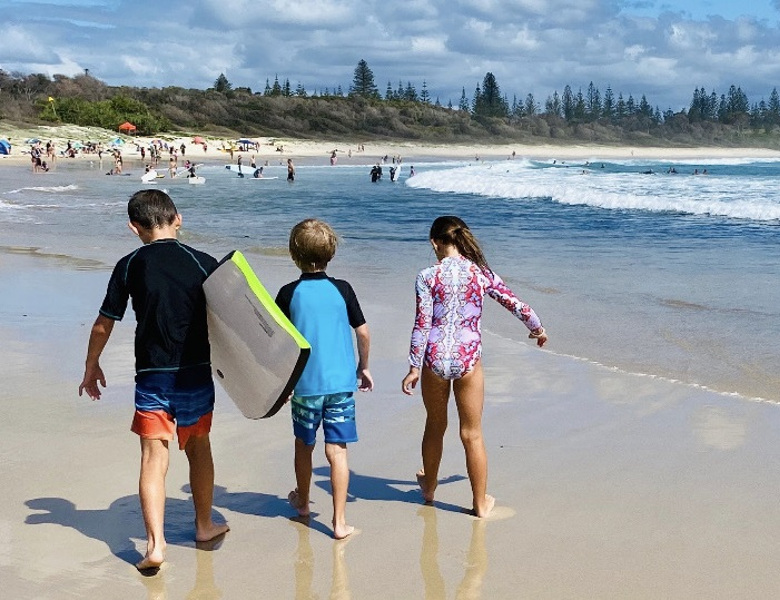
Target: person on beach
{"x":324,"y":310}
{"x":446,"y":350}
{"x":174,"y":390}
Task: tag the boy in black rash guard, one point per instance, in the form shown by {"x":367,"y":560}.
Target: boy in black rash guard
{"x":174,"y":389}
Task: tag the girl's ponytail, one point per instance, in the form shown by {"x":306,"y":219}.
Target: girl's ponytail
{"x":453,"y":231}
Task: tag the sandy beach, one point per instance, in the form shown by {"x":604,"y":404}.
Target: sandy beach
{"x":347,"y":152}
{"x":608,"y":484}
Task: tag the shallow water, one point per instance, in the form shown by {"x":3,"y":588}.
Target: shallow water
{"x":673,"y":276}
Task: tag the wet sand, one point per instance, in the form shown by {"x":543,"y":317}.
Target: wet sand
{"x":608,"y":485}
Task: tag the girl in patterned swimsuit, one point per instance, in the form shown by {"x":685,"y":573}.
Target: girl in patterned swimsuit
{"x":446,"y":349}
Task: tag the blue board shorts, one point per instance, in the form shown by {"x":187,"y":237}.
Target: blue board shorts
{"x":180,"y":401}
{"x":336,"y":412}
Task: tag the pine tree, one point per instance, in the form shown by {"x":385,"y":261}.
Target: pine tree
{"x":490,"y":102}
{"x":464,"y":102}
{"x":363,"y":82}
{"x":608,"y":106}
{"x":276,"y":90}
{"x":389,"y":93}
{"x":222,"y":84}
{"x":567,"y":104}
{"x":424,"y":95}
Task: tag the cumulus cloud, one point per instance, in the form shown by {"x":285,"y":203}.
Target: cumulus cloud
{"x":536,"y":46}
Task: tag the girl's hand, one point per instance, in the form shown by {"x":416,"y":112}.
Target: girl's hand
{"x":410,"y":381}
{"x":540,"y":335}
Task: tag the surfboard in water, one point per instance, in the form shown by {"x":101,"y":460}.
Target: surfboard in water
{"x":257,"y":354}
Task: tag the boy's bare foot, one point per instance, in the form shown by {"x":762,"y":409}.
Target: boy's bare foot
{"x":298,"y":504}
{"x":426,"y":493}
{"x":211,"y":532}
{"x":342,"y":531}
{"x":484,"y":510}
{"x":150,"y":563}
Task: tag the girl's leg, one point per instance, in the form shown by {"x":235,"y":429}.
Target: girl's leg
{"x":339,"y":481}
{"x":151,"y":489}
{"x":470,"y":398}
{"x":435,"y":394}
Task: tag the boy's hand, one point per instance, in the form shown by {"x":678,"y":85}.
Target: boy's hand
{"x":365,"y":381}
{"x":92,"y":375}
{"x":410,"y":381}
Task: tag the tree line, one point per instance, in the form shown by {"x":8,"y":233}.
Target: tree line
{"x":401,"y":112}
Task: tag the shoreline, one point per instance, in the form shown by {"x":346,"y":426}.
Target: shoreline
{"x":616,"y":486}
{"x":310,"y":150}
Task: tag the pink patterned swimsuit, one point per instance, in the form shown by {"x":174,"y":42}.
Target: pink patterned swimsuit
{"x":447,"y":330}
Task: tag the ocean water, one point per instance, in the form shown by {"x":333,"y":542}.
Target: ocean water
{"x":672,"y":276}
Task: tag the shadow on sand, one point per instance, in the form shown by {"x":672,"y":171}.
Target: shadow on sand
{"x":119,"y":524}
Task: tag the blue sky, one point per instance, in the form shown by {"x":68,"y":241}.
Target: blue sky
{"x":663,"y":49}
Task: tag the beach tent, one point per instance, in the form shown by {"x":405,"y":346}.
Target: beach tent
{"x":5,"y":147}
{"x":117,"y":142}
{"x":127,"y":126}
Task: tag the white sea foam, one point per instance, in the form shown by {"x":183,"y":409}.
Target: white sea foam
{"x":46,"y":189}
{"x":752,"y":198}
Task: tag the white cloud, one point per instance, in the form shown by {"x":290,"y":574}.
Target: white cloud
{"x":535,"y":46}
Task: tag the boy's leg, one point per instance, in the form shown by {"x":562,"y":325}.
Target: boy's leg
{"x":339,"y":481}
{"x":198,"y":450}
{"x":299,"y":497}
{"x":151,"y":490}
{"x":470,"y":398}
{"x":435,"y":395}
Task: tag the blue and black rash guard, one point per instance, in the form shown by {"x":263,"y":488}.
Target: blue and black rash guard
{"x":324,"y":310}
{"x":165,"y":281}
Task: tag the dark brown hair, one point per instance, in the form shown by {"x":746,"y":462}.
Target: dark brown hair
{"x":453,"y":231}
{"x":151,"y":208}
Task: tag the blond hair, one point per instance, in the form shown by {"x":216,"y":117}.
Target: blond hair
{"x":312,"y":244}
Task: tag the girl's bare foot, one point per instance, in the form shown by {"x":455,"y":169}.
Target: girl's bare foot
{"x":487,"y":506}
{"x":426,"y":493}
{"x":298,"y":504}
{"x":211,"y":532}
{"x":342,"y":531}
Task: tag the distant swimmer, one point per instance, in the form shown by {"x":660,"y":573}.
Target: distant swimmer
{"x":392,"y":173}
{"x":258,"y":174}
{"x":290,"y":170}
{"x":333,"y":158}
{"x":376,"y":173}
{"x":411,"y":171}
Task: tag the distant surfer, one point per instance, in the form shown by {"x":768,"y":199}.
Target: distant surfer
{"x":238,"y":162}
{"x":258,"y":174}
{"x":325,"y":311}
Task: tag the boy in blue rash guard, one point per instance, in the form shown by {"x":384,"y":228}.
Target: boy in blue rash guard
{"x":174,"y":391}
{"x":324,"y":310}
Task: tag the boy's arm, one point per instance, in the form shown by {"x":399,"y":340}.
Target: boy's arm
{"x":365,"y":381}
{"x":98,"y":337}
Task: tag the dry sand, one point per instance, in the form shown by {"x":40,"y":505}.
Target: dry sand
{"x":315,"y":151}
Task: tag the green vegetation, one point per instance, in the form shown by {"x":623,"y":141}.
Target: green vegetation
{"x":402,"y":114}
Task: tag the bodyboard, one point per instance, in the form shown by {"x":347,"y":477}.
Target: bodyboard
{"x":257,"y":354}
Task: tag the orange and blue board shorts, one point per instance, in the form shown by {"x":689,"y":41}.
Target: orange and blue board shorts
{"x":174,"y":401}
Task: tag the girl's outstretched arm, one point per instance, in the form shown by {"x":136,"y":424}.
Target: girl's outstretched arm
{"x":501,"y":293}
